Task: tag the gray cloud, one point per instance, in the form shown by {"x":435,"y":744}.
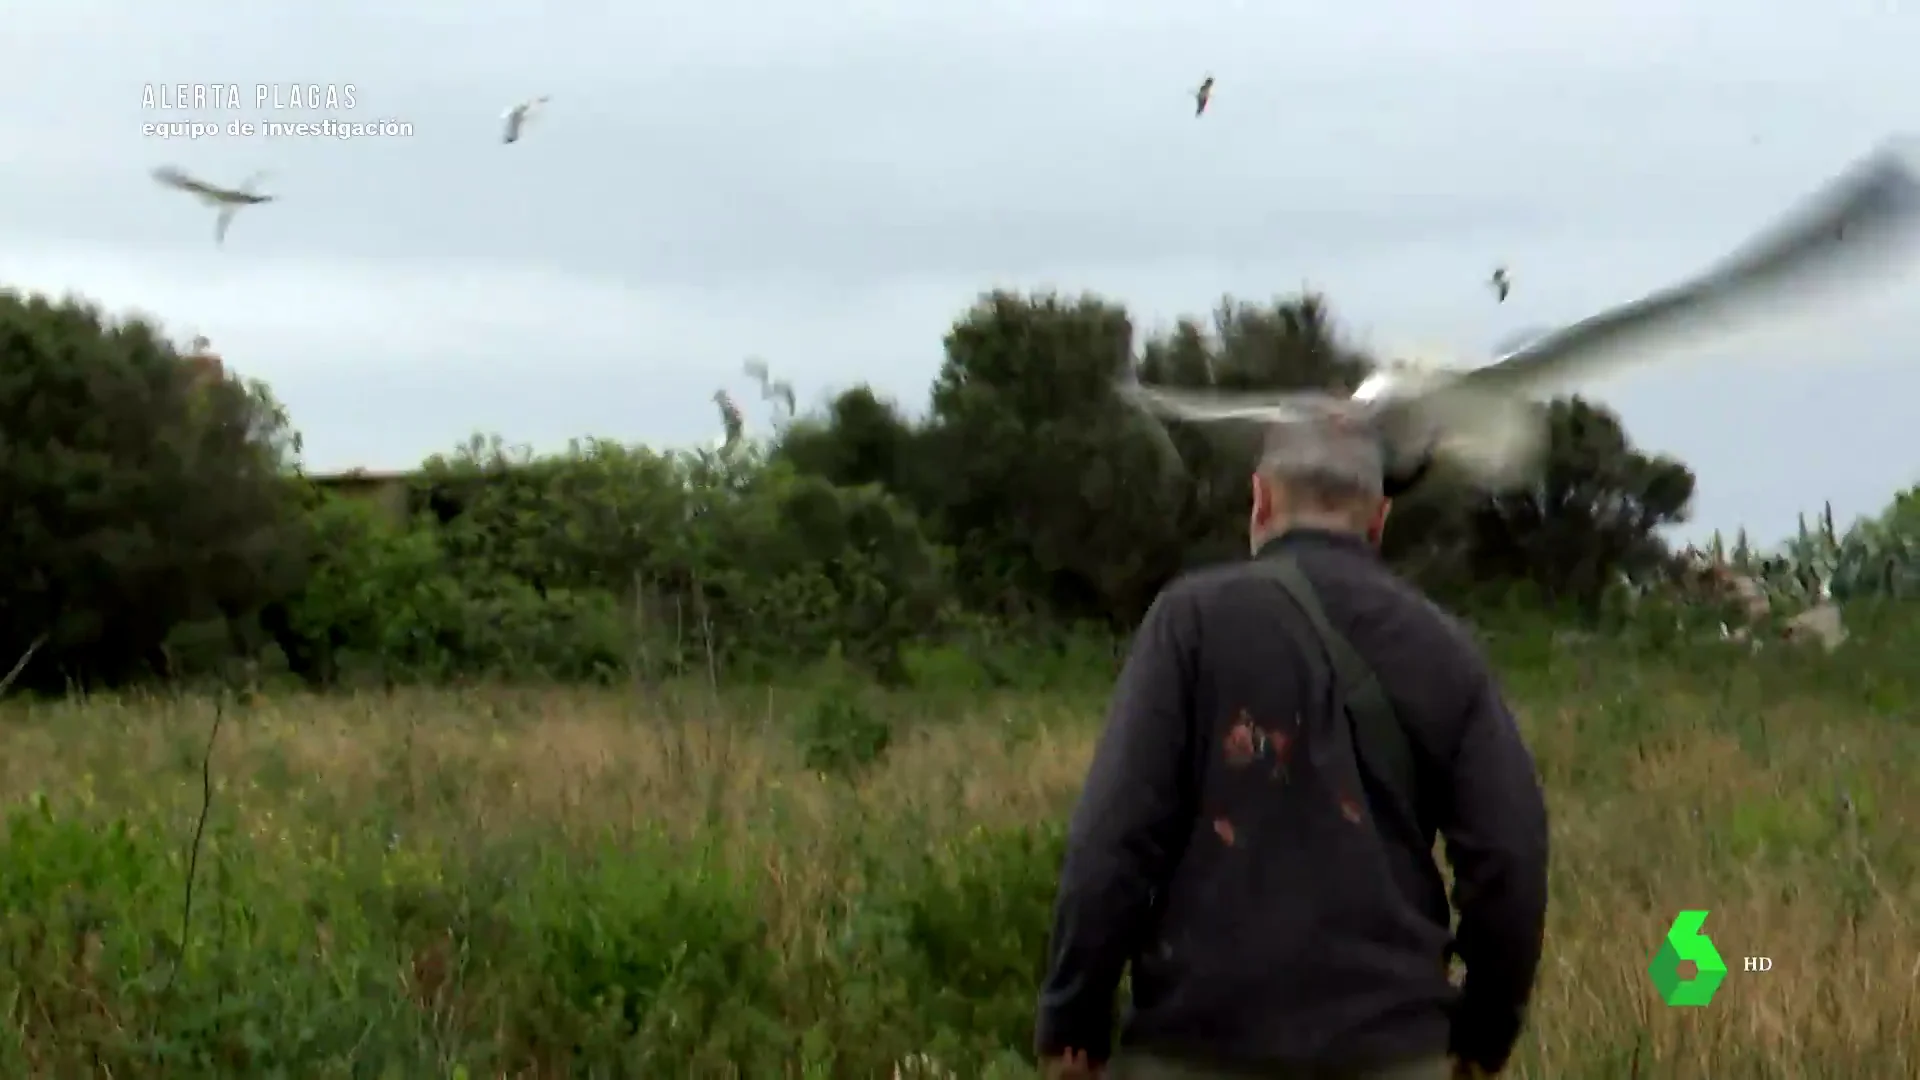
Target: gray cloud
{"x":829,"y":185}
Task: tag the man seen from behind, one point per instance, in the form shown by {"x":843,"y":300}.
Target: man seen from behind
{"x":1255,"y":838}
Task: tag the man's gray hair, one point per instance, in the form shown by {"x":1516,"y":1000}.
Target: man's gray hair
{"x":1333,"y":462}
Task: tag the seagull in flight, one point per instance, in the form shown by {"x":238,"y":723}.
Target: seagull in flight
{"x":771,"y":389}
{"x":517,"y":117}
{"x":1486,"y":419}
{"x":733,"y":423}
{"x":227,"y":200}
{"x":1502,"y":285}
{"x":1202,"y":96}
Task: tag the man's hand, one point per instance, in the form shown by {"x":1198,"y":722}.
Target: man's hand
{"x":1073,"y":1065}
{"x":1467,"y":1070}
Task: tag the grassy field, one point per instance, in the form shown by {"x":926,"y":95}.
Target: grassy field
{"x":602,"y":884}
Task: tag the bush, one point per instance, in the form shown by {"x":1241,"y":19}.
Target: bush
{"x":974,"y":921}
{"x":141,"y":492}
{"x":721,"y":561}
{"x":658,"y":972}
{"x":384,"y":598}
{"x":839,"y":731}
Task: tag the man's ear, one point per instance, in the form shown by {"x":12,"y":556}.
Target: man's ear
{"x":1262,"y":501}
{"x":1377,"y":531}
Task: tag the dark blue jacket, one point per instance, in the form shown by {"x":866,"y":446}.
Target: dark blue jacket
{"x":1226,"y":843}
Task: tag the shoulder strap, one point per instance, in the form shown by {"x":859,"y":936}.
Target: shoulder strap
{"x":1377,"y":735}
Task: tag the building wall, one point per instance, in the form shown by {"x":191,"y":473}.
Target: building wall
{"x":386,"y":490}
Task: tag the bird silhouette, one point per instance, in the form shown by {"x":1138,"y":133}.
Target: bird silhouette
{"x":771,"y":389}
{"x":733,"y":422}
{"x":1202,"y":96}
{"x":516,"y":118}
{"x":228,"y":201}
{"x":1502,"y":285}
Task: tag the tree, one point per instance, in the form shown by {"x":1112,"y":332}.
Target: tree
{"x":1290,"y":344}
{"x":1048,"y":486}
{"x":1055,"y":491}
{"x":862,"y":439}
{"x":1060,"y":500}
{"x":1592,"y":512}
{"x":142,"y":491}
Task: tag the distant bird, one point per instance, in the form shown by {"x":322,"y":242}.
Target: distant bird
{"x":1487,"y":421}
{"x":771,"y":389}
{"x":1202,"y":96}
{"x":733,"y":423}
{"x":516,"y":118}
{"x":1501,"y":285}
{"x":228,"y":200}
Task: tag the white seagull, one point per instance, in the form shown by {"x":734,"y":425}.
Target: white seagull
{"x":516,"y":118}
{"x":1486,"y":419}
{"x":227,"y":200}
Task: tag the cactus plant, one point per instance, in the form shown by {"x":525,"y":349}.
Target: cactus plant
{"x":1876,"y":557}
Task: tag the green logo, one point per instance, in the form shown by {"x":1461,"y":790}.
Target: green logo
{"x":1686,"y":944}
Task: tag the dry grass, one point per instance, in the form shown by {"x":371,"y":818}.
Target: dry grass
{"x":1783,"y":816}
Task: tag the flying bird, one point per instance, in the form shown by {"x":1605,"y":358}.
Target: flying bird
{"x":1487,"y":420}
{"x":516,"y":118}
{"x":227,"y":200}
{"x":1501,"y":285}
{"x":733,"y":423}
{"x":1202,"y":96}
{"x":771,"y":389}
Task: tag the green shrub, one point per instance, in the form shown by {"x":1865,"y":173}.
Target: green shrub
{"x":379,"y":591}
{"x":140,"y":493}
{"x":716,"y":561}
{"x":839,"y":730}
{"x":647,"y":971}
{"x":971,"y":922}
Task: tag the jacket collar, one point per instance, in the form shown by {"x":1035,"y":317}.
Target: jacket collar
{"x":1300,"y":539}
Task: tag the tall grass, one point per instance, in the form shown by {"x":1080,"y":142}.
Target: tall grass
{"x":569,"y":883}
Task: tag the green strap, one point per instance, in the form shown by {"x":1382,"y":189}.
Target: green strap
{"x":1382,"y":743}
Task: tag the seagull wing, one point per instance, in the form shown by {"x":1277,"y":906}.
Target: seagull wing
{"x":1209,"y":406}
{"x":1484,"y":419}
{"x":1855,"y":224}
{"x":1520,"y":339}
{"x":1497,"y":439}
{"x":174,"y":178}
{"x":220,"y":224}
{"x":518,"y":116}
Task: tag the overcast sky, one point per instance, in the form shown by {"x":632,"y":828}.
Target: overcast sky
{"x":828,"y":184}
